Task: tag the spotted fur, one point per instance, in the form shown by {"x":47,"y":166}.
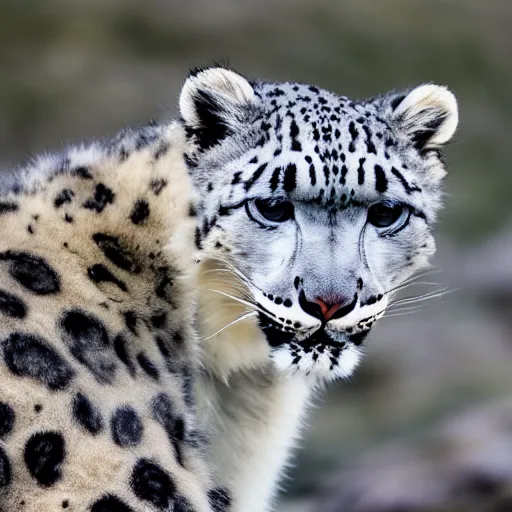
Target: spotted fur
{"x":97,"y":346}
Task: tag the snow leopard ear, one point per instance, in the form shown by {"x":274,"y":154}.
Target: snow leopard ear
{"x":428,"y":115}
{"x":213,"y":102}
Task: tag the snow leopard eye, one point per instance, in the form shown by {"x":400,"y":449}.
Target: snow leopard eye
{"x":388,"y":214}
{"x":270,"y":211}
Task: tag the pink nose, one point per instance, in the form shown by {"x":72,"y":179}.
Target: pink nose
{"x":327,"y":309}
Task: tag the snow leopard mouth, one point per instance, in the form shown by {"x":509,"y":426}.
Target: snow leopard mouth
{"x":278,"y":335}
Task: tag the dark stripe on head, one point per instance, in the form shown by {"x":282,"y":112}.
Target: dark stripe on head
{"x":408,"y":188}
{"x":294,"y":132}
{"x":274,"y":181}
{"x":290,"y":178}
{"x":312,"y":175}
{"x":353,"y":130}
{"x":257,"y":173}
{"x":381,"y":182}
{"x":326,"y":174}
{"x":343,"y":177}
{"x":360,"y":171}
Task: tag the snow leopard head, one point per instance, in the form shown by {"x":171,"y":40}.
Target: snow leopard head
{"x":313,"y":209}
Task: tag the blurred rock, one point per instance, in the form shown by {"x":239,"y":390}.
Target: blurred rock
{"x":463,"y":466}
{"x":487,"y":272}
{"x":487,"y":268}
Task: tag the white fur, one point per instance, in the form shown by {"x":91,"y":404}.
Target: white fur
{"x":256,"y":420}
{"x":323,"y":372}
{"x":426,"y":103}
{"x":359,"y":314}
{"x":233,"y":88}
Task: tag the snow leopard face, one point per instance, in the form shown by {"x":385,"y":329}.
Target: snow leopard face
{"x":313,"y":209}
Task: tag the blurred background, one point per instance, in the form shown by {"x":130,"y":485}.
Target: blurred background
{"x":426,"y":424}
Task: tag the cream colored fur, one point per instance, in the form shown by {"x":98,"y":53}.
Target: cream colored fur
{"x":255,"y":420}
{"x":93,"y":465}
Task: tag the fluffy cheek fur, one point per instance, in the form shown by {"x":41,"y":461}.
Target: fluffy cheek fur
{"x":227,"y":347}
{"x":396,"y":259}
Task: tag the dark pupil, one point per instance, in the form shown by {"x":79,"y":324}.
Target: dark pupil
{"x":275,"y":211}
{"x":383,"y":215}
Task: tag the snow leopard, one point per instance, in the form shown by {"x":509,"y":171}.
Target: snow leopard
{"x":173,"y":298}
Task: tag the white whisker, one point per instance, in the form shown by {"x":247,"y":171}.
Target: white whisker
{"x":412,"y":281}
{"x":239,"y":289}
{"x":421,"y":298}
{"x":233,"y":269}
{"x":233,"y":297}
{"x":239,"y":319}
{"x":404,"y":309}
{"x":242,"y":301}
{"x":402,"y":313}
